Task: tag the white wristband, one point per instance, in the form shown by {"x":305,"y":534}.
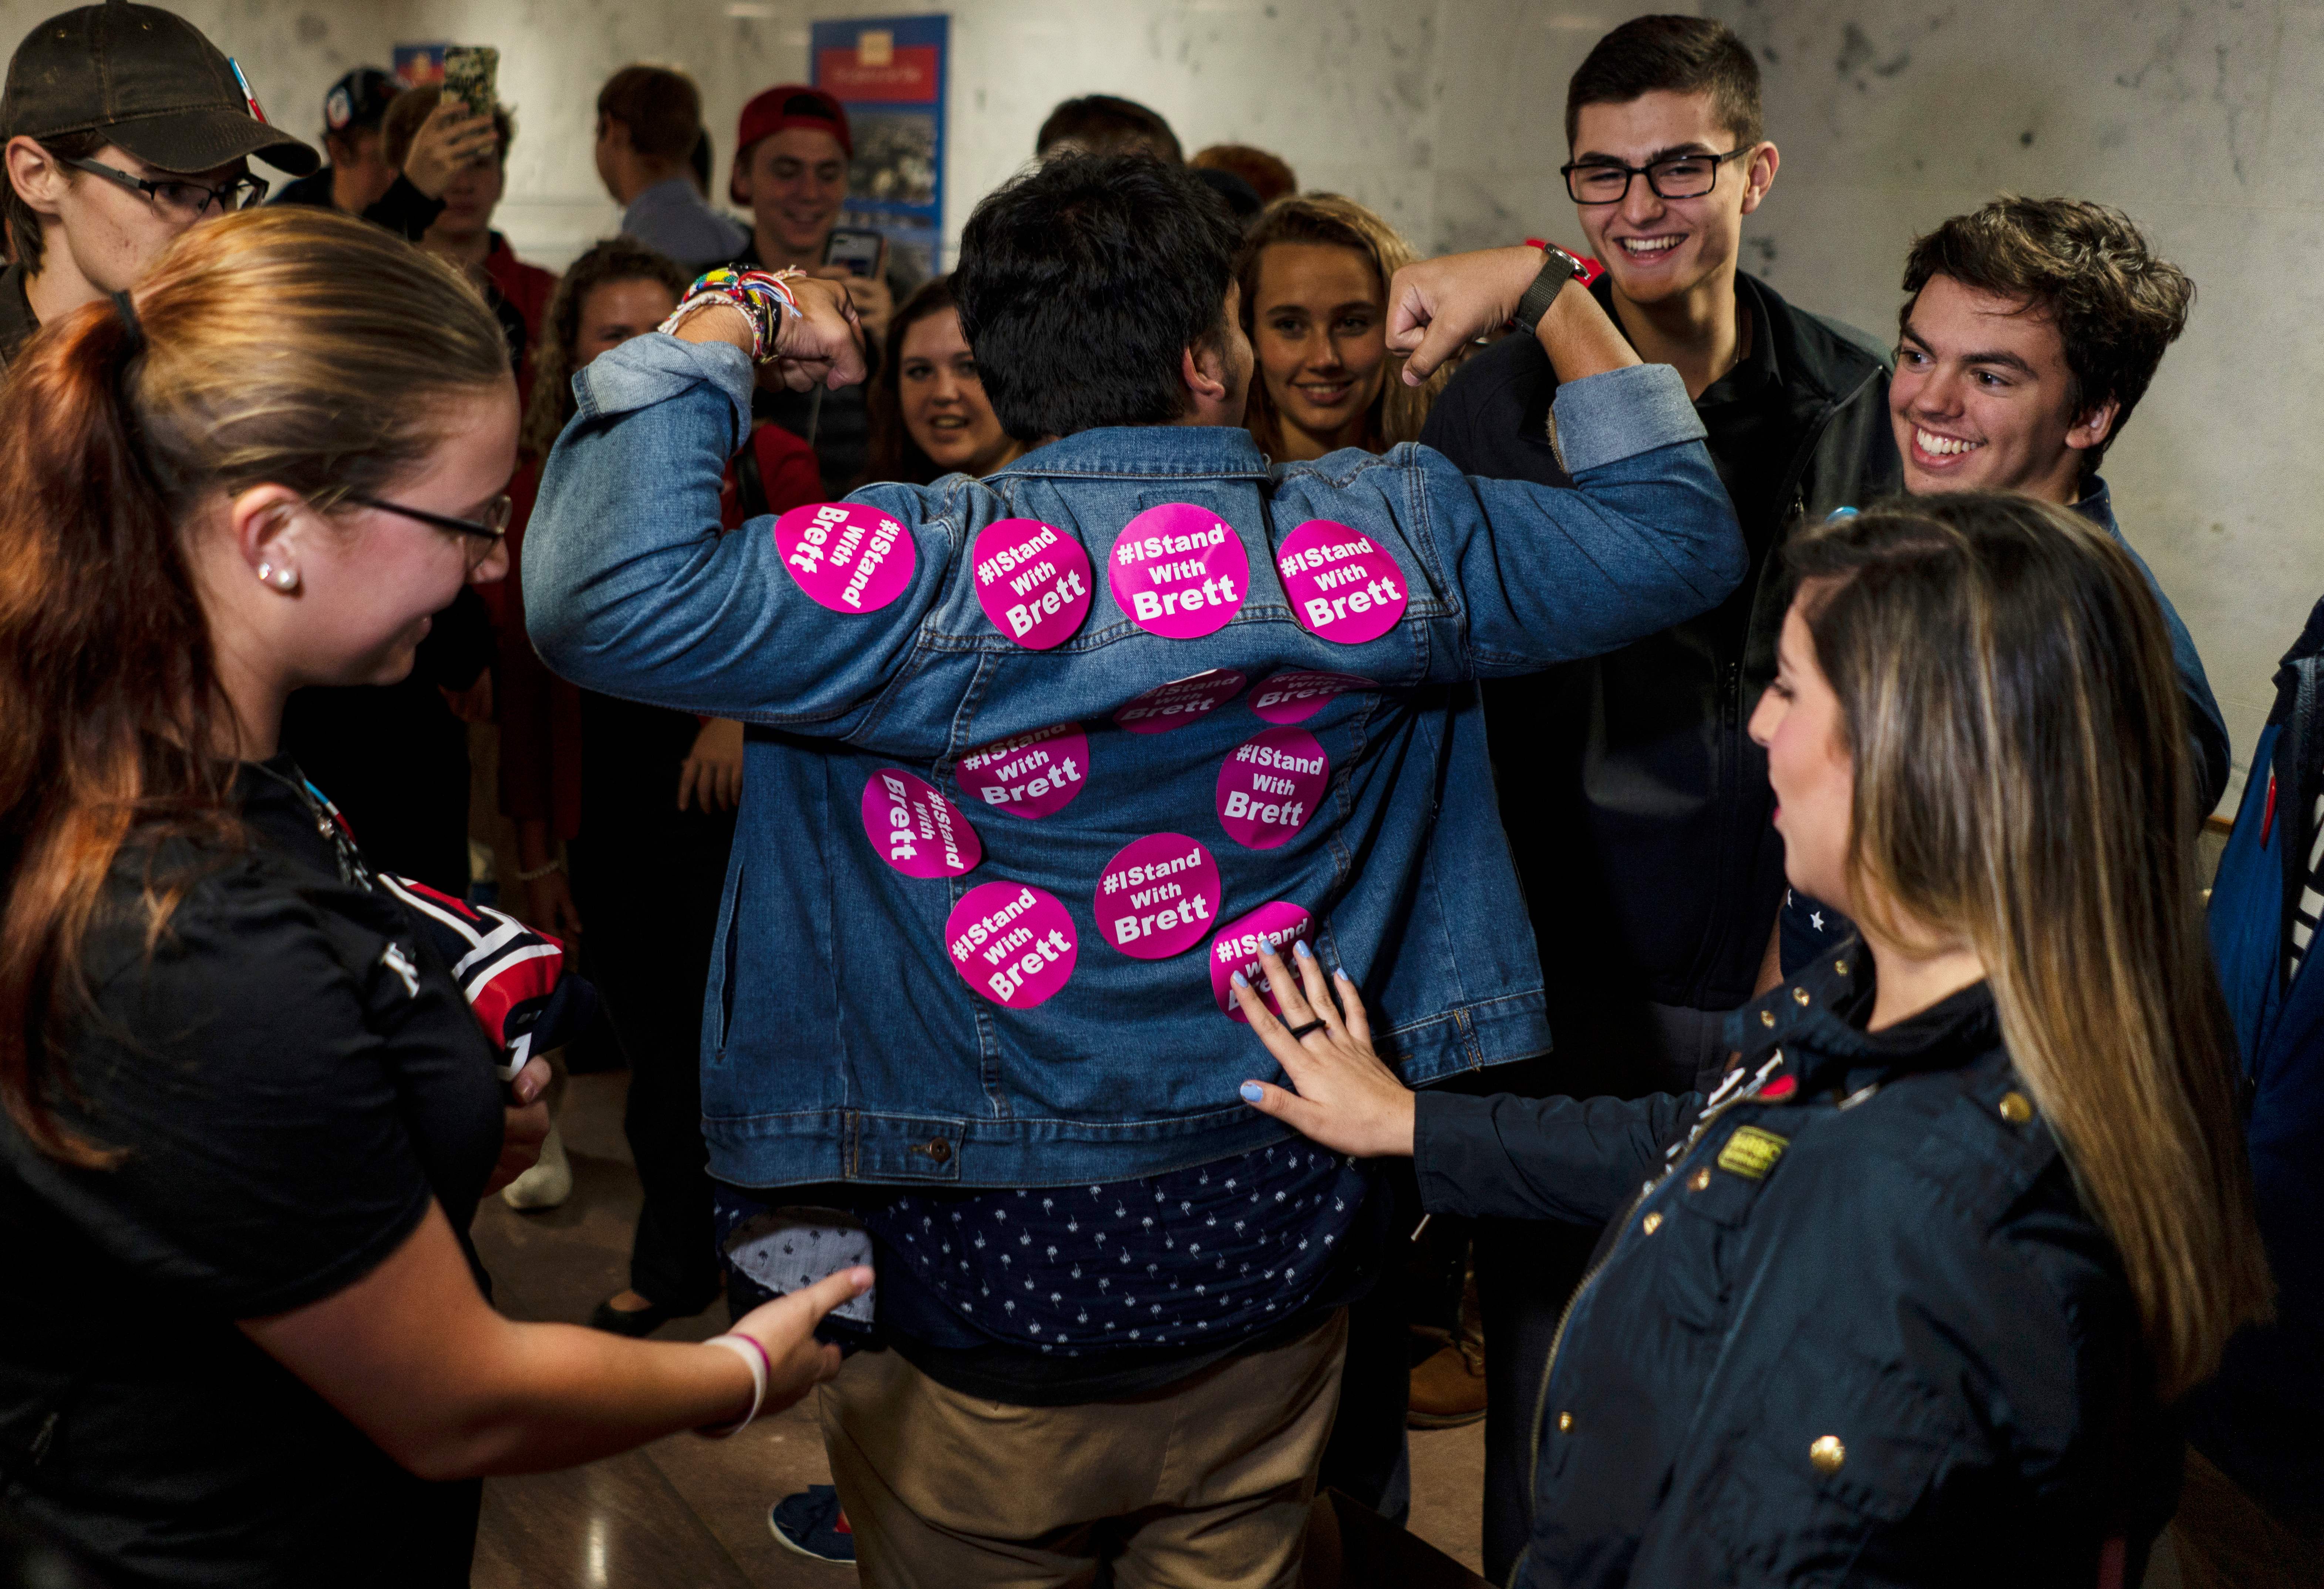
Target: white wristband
{"x":755,"y":1358}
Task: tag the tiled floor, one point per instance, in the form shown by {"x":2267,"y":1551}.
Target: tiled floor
{"x":692,"y":1512}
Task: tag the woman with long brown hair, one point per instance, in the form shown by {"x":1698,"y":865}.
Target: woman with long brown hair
{"x":929,"y":414}
{"x":248,"y":1114}
{"x":1908,"y":1298}
{"x":1314,"y":272}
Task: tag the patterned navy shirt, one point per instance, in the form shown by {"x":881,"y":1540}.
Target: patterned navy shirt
{"x":1217,"y":1253}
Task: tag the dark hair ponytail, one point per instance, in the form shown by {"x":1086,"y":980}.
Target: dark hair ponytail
{"x":296,"y":346}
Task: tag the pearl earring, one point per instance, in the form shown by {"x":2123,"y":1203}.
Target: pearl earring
{"x":281,"y":578}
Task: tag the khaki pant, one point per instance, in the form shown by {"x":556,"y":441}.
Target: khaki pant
{"x":1204,"y":1485}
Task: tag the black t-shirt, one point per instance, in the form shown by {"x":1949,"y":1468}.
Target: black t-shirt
{"x":293,"y":1077}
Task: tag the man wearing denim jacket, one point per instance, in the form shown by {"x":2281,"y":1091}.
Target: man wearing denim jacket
{"x":995,"y":1027}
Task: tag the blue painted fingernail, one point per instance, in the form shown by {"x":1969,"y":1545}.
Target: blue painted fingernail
{"x":1299,"y":948}
{"x":1239,"y":980}
{"x":1251,"y":1092}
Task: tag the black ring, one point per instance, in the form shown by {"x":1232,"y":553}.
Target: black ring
{"x":1300,"y":1031}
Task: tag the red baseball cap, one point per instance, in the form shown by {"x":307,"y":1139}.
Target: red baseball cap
{"x":792,"y":105}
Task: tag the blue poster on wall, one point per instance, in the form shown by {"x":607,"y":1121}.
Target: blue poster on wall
{"x":889,"y":73}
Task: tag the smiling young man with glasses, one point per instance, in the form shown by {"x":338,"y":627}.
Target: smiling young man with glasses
{"x":123,"y":126}
{"x":1637,"y":809}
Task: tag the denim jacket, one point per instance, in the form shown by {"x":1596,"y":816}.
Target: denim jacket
{"x":839,"y":1042}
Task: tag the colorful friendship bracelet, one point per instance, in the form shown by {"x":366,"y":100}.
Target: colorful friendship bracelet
{"x":763,"y":296}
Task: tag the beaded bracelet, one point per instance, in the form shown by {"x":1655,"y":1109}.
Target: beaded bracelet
{"x":763,"y":296}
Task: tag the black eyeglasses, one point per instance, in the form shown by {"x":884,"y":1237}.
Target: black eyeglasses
{"x":187,"y":200}
{"x":490,"y":527}
{"x":1681,"y":176}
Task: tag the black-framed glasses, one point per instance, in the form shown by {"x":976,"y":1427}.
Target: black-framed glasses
{"x":1680,"y":176}
{"x":493,"y":526}
{"x":191,"y":200}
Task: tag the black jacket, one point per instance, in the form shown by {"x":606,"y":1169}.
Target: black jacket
{"x":18,"y":320}
{"x":403,"y":209}
{"x":1637,"y":806}
{"x":1858,"y":1328}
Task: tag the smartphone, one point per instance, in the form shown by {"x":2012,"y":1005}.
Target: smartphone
{"x":469,"y":74}
{"x":864,"y":252}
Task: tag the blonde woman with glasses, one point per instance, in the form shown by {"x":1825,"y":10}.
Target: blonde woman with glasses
{"x":1911,"y":1298}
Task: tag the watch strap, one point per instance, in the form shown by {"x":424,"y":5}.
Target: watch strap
{"x":1557,"y":268}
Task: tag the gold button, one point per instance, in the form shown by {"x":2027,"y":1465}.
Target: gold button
{"x":1800,"y":997}
{"x":1840,"y":966}
{"x":1651,"y":1223}
{"x":1767,"y":1018}
{"x":1700,"y":1179}
{"x":2016,"y":1108}
{"x":939,"y":1149}
{"x":1564,"y":1423}
{"x":1828,"y":1453}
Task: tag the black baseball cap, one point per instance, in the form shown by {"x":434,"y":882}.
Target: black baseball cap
{"x":150,"y":81}
{"x":358,"y":101}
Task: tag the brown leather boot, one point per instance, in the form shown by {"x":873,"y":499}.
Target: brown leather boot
{"x":1448,"y":1389}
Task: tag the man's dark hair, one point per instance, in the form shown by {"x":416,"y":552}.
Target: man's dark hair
{"x":2084,"y":267}
{"x":662,"y":109}
{"x":1101,"y":124}
{"x":1671,"y":55}
{"x":1082,"y":282}
{"x":23,"y":220}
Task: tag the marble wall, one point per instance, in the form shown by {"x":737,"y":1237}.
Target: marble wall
{"x":2201,"y":117}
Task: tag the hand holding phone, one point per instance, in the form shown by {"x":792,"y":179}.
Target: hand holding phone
{"x":859,"y":257}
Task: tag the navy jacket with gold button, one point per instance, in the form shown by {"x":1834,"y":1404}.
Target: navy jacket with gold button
{"x":1851,"y":1326}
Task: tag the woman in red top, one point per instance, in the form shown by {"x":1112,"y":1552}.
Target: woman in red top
{"x":643,"y":800}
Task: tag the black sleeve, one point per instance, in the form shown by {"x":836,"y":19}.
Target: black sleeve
{"x":265,"y":1160}
{"x":1492,"y":418}
{"x":459,"y":644}
{"x":2207,"y":744}
{"x":405,"y":210}
{"x":1570,"y":1158}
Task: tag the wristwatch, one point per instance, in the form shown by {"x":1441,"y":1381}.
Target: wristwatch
{"x":1557,"y":268}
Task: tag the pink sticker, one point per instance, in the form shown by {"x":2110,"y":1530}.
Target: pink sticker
{"x":1033,"y":581}
{"x":1181,"y":701}
{"x":1179,"y":571}
{"x":1294,"y":697}
{"x":1028,"y":774}
{"x":1344,"y":586}
{"x":845,"y":556}
{"x":1270,"y":785}
{"x":1011,"y":942}
{"x":1237,"y":948}
{"x":1158,"y":895}
{"x":910,"y":823}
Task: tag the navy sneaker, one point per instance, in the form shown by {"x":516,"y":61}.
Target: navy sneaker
{"x":811,"y":1523}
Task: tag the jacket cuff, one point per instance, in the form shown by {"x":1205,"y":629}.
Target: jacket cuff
{"x":1604,"y":418}
{"x":654,"y":368}
{"x":1441,"y":1124}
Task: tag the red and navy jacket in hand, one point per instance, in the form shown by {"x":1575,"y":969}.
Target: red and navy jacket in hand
{"x":514,"y":978}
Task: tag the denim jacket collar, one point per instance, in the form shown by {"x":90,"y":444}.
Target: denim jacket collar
{"x":2098,"y":507}
{"x":1141,"y":452}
